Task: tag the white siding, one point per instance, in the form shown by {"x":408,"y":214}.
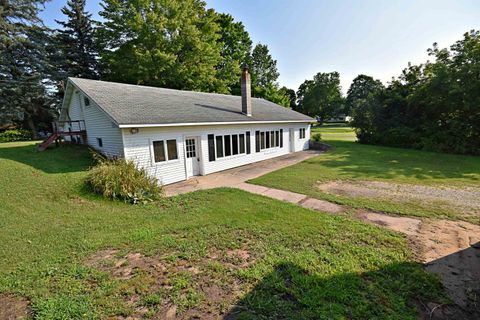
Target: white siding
{"x":138,"y":147}
{"x":98,"y":125}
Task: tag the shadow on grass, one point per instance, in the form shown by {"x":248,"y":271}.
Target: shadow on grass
{"x":62,"y":159}
{"x":291,"y":292}
{"x":355,"y":160}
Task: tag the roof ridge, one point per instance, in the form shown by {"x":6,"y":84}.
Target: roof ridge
{"x":162,"y":88}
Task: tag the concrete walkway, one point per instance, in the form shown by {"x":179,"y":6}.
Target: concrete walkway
{"x":236,"y":176}
{"x":292,"y":197}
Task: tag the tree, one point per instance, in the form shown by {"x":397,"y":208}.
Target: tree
{"x":162,"y":43}
{"x":76,"y":42}
{"x":292,"y":97}
{"x":361,"y":88}
{"x":24,"y":64}
{"x":321,"y":97}
{"x":263,"y":67}
{"x":235,"y":49}
{"x":273,"y":94}
{"x":433,"y":106}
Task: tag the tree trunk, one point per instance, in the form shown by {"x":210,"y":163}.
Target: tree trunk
{"x":31,"y":126}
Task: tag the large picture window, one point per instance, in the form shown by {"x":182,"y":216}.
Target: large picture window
{"x":230,"y":145}
{"x":165,"y":150}
{"x":268,"y":139}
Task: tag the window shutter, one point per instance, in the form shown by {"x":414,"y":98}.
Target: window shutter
{"x":257,"y":141}
{"x":248,"y":142}
{"x":211,"y":147}
{"x":281,"y":138}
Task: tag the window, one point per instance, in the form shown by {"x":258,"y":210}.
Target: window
{"x":219,"y":141}
{"x":268,"y":140}
{"x":86,"y":101}
{"x":302,"y":133}
{"x":211,"y":147}
{"x":172,"y":149}
{"x":190,"y":148}
{"x":159,"y":151}
{"x":234,"y":144}
{"x":165,"y":151}
{"x":228,"y":146}
{"x":100,"y":142}
{"x":242,"y":143}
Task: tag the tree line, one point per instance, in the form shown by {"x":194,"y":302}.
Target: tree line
{"x":164,"y":43}
{"x":433,"y":106}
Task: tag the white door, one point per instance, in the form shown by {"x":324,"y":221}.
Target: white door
{"x":292,"y":139}
{"x":193,"y":158}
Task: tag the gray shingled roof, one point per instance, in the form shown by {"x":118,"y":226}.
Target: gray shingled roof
{"x":141,"y":105}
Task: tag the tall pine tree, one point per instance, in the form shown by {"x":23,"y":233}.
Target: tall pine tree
{"x":24,"y":64}
{"x":76,"y":42}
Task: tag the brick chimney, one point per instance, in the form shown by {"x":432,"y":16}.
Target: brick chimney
{"x":246,"y":92}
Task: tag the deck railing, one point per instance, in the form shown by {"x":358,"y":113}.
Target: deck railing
{"x":69,"y":126}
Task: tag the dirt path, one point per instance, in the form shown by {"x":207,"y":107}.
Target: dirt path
{"x":450,"y":249}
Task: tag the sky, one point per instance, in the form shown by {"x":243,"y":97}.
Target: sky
{"x":374,"y":37}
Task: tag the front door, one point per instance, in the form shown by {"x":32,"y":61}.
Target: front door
{"x":292,"y":139}
{"x":193,"y":158}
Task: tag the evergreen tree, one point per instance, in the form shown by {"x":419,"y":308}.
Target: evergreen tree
{"x":76,"y":42}
{"x":24,"y":64}
{"x":168,"y":43}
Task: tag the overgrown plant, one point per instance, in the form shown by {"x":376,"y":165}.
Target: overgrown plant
{"x":121,"y":179}
{"x":317,"y":137}
{"x":15,"y":135}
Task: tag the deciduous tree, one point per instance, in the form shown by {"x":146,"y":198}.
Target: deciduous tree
{"x":322,"y":96}
{"x":162,"y":43}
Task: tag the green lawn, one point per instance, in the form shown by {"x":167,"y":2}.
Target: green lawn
{"x":351,"y":161}
{"x":202,"y":252}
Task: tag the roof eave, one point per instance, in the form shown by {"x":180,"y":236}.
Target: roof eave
{"x":153,"y":125}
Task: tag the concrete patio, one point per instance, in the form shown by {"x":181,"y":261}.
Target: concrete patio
{"x":237,"y":176}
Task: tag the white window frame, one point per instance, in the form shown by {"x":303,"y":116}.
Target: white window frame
{"x":244,"y":153}
{"x":269,"y":131}
{"x":300,"y":133}
{"x":165,"y":150}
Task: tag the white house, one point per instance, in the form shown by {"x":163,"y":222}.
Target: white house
{"x":177,"y":134}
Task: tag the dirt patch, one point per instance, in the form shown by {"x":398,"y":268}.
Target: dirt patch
{"x":466,"y":200}
{"x":173,"y":282}
{"x":13,"y":308}
{"x":405,"y":225}
{"x":450,"y":249}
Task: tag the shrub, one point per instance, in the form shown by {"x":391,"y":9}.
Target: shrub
{"x":123,"y":180}
{"x":15,"y":135}
{"x":317,"y":137}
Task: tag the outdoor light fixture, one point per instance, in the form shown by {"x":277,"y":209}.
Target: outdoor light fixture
{"x":133,"y":130}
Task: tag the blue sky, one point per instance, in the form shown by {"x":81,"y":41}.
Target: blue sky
{"x":374,"y":37}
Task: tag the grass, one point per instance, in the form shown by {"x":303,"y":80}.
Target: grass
{"x":298,"y":263}
{"x":350,"y":160}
